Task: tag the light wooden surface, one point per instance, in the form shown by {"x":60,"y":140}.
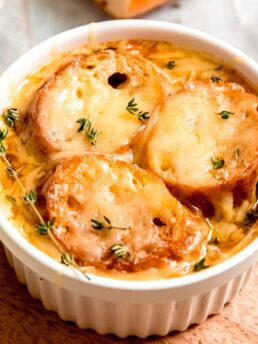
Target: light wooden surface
{"x":24,"y":23}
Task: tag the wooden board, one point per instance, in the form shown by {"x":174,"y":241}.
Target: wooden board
{"x":23,"y":320}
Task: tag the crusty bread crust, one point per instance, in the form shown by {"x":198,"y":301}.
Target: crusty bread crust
{"x":188,"y":134}
{"x":159,"y":229}
{"x":82,"y":88}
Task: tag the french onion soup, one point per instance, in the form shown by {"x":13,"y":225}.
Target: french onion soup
{"x":133,"y":160}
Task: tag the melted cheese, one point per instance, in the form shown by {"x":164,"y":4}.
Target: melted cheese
{"x":83,"y":89}
{"x":190,"y":66}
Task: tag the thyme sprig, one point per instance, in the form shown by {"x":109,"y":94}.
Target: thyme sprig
{"x":225,"y":114}
{"x":67,"y":259}
{"x":30,"y":197}
{"x":43,"y":228}
{"x":10,"y":171}
{"x":132,"y":108}
{"x":10,"y":116}
{"x":200,"y":265}
{"x":215,"y":79}
{"x":217,"y":163}
{"x":120,"y":251}
{"x":106,"y":224}
{"x":90,"y":132}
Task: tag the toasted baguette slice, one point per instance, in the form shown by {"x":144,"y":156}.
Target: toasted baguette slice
{"x":204,"y":144}
{"x":129,"y":8}
{"x":134,"y":206}
{"x":98,"y":88}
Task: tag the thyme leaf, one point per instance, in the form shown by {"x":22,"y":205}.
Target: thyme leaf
{"x":171,"y":64}
{"x":251,"y":216}
{"x":216,"y":241}
{"x":30,"y":197}
{"x":119,"y":251}
{"x":132,"y":108}
{"x":10,"y":171}
{"x":215,"y":79}
{"x":225,"y":114}
{"x":10,"y":198}
{"x":3,"y":134}
{"x":90,"y":132}
{"x":219,"y":67}
{"x":237,"y":153}
{"x":10,"y":116}
{"x":217,"y":163}
{"x":2,"y":149}
{"x":44,"y":227}
{"x":200,"y":265}
{"x":106,"y":224}
{"x":67,"y":259}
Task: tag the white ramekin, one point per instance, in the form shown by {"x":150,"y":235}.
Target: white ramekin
{"x":140,"y":308}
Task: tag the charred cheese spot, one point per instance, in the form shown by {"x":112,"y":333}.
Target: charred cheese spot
{"x":204,"y":144}
{"x":156,"y":227}
{"x":97,"y":87}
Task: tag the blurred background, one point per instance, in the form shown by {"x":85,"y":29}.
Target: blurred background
{"x":24,"y":23}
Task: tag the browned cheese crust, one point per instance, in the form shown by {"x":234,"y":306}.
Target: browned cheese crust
{"x":204,"y":143}
{"x":96,"y":87}
{"x":157,"y":229}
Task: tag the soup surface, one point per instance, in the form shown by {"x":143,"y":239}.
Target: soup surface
{"x":133,"y":160}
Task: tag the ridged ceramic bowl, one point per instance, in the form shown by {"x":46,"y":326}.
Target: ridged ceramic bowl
{"x":140,"y":308}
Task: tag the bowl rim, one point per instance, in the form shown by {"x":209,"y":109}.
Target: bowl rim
{"x":39,"y":261}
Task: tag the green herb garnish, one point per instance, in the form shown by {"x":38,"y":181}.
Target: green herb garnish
{"x":251,"y":216}
{"x":237,"y":153}
{"x":91,"y":133}
{"x":10,"y":198}
{"x":225,"y":114}
{"x":200,"y":265}
{"x":10,"y":171}
{"x":67,"y":259}
{"x":104,"y":225}
{"x":216,"y":241}
{"x":119,"y":251}
{"x":132,"y":108}
{"x":171,"y":64}
{"x":217,"y":163}
{"x":3,"y":134}
{"x":44,"y":227}
{"x":219,"y":67}
{"x":10,"y":116}
{"x":30,"y":197}
{"x":215,"y":79}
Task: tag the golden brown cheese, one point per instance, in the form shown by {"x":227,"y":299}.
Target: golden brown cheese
{"x":153,"y":226}
{"x":98,"y":88}
{"x":228,"y":224}
{"x":204,"y":142}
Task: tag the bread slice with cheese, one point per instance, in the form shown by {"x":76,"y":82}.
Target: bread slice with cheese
{"x":204,"y":144}
{"x":114,"y":215}
{"x":95,"y":102}
{"x":129,"y":8}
